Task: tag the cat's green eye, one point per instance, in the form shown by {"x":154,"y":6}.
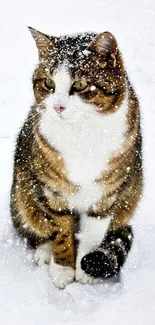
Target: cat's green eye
{"x":49,"y":84}
{"x":80,"y":85}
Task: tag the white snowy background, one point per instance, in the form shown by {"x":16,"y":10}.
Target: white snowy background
{"x":27,"y":295}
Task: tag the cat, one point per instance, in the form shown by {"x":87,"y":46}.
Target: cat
{"x":78,"y":161}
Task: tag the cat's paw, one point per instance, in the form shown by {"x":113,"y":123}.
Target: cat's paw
{"x":61,"y":275}
{"x":84,"y":278}
{"x":100,"y":264}
{"x":42,"y":254}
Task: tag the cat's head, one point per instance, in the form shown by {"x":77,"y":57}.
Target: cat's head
{"x":78,"y":75}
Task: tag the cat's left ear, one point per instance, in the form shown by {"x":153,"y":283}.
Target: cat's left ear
{"x":105,"y":44}
{"x":43,"y":43}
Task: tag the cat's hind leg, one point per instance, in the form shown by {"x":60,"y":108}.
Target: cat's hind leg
{"x":42,"y":254}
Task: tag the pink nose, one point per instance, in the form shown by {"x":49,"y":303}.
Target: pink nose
{"x":58,"y":108}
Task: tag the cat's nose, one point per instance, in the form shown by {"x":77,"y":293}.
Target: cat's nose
{"x":58,"y":108}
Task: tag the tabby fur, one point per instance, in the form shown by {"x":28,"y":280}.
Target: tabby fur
{"x":42,"y":208}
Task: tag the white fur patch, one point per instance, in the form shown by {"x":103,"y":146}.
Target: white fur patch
{"x":61,"y":275}
{"x":85,"y":138}
{"x":92,"y":232}
{"x":42,"y":254}
{"x":84,"y":278}
{"x":60,"y":96}
{"x":87,"y":196}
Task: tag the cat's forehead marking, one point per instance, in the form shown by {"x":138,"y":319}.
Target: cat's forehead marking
{"x":62,"y":78}
{"x":71,"y":50}
{"x":71,"y":44}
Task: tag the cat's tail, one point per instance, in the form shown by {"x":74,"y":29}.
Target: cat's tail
{"x":107,"y":260}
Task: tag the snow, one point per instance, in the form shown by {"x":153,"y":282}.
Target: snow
{"x":27,"y":295}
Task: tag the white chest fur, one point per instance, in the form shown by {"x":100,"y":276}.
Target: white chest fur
{"x":85,"y":139}
{"x":86,"y":149}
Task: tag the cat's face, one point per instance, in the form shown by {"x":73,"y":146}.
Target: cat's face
{"x":78,"y":76}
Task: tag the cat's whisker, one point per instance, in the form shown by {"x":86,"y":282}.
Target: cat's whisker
{"x":36,"y":123}
{"x":33,"y":117}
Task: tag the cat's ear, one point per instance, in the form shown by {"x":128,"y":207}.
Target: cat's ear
{"x":43,"y":43}
{"x":105,"y":44}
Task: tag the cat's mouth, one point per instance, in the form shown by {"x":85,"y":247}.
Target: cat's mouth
{"x":61,"y":117}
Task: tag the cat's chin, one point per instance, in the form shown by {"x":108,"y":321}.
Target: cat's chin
{"x":74,"y":116}
{"x":65,"y":119}
{"x":70,"y":119}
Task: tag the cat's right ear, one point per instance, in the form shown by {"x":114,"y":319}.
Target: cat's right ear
{"x":43,"y":43}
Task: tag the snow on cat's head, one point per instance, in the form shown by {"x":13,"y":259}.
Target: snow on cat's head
{"x":78,"y":76}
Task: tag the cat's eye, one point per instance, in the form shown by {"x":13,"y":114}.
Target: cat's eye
{"x":49,"y":84}
{"x":80,"y":85}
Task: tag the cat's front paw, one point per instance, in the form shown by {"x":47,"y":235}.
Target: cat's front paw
{"x":100,"y":264}
{"x":84,"y":278}
{"x":61,"y":275}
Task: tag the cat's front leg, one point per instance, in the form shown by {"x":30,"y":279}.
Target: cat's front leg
{"x":92,"y":231}
{"x":59,"y":252}
{"x":62,"y":264}
{"x":61,"y":274}
{"x":107,"y":260}
{"x":85,"y":246}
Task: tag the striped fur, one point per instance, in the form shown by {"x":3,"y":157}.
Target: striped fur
{"x":43,"y":207}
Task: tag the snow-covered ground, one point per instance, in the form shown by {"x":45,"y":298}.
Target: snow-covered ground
{"x":27,"y":295}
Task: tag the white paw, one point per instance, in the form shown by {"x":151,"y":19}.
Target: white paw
{"x":61,"y":275}
{"x":84,"y":278}
{"x":42,"y":254}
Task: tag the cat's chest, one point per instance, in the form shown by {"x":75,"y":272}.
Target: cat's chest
{"x":85,"y":159}
{"x":84,"y":162}
{"x":86,"y":149}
